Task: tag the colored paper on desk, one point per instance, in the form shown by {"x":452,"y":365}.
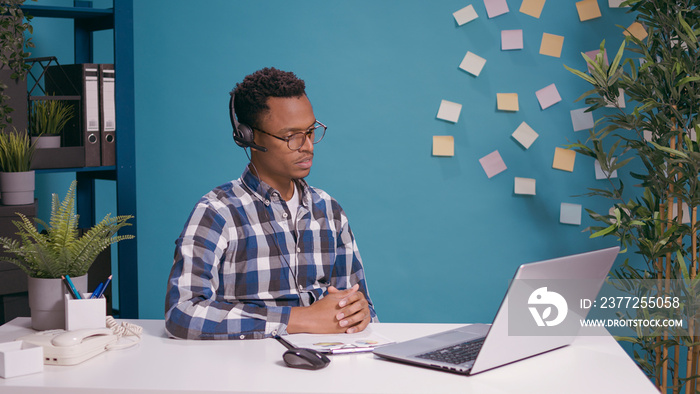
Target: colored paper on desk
{"x":507,"y":101}
{"x":548,"y":96}
{"x":551,"y":45}
{"x":570,"y":213}
{"x":473,"y":64}
{"x":449,"y":111}
{"x":524,"y":186}
{"x":532,"y":7}
{"x":443,"y":145}
{"x":581,"y":119}
{"x":637,"y":30}
{"x":493,"y":164}
{"x":600,"y":174}
{"x":326,"y":343}
{"x":564,"y":159}
{"x":525,"y":135}
{"x":588,"y":9}
{"x":465,"y":15}
{"x":511,"y":39}
{"x":495,"y":8}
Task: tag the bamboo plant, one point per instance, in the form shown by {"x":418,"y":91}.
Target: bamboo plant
{"x":49,"y":117}
{"x":655,"y":143}
{"x":16,"y":152}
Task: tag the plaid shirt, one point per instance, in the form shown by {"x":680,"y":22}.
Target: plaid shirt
{"x":231,"y":277}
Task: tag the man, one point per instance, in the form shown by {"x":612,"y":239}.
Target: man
{"x":267,"y":254}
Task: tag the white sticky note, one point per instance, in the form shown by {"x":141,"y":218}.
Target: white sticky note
{"x":465,"y":15}
{"x":449,"y":111}
{"x":686,"y":213}
{"x":648,"y":135}
{"x":495,"y":8}
{"x":525,"y":135}
{"x":615,"y":3}
{"x":600,"y":174}
{"x":511,"y":39}
{"x":524,"y":186}
{"x":570,"y":213}
{"x":620,"y":100}
{"x":581,"y":119}
{"x":493,"y":164}
{"x":548,"y":96}
{"x":473,"y":64}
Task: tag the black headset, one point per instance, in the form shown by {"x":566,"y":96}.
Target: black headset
{"x":242,"y":133}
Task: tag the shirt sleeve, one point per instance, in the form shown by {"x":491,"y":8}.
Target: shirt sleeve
{"x":193,"y":307}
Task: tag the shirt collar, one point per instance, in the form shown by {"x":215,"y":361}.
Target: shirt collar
{"x":264,"y":191}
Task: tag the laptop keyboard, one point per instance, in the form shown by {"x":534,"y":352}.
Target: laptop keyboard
{"x":456,"y":354}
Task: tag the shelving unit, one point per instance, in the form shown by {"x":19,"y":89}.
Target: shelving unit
{"x":86,"y":21}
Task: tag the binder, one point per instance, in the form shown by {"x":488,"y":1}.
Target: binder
{"x":108,"y":117}
{"x":82,"y":80}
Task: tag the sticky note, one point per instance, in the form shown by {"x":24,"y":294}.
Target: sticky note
{"x":564,"y":159}
{"x":570,"y":213}
{"x":620,"y":100}
{"x":588,"y":9}
{"x":473,"y":64}
{"x":593,"y":54}
{"x":449,"y":111}
{"x":493,"y":164}
{"x":495,"y":8}
{"x":532,"y":7}
{"x":507,"y":101}
{"x":524,"y":186}
{"x":465,"y":15}
{"x":511,"y":39}
{"x":615,"y":3}
{"x":525,"y":135}
{"x":551,"y":45}
{"x":548,"y":96}
{"x":648,"y":135}
{"x":581,"y":119}
{"x":443,"y":145}
{"x":637,"y":30}
{"x":600,"y":174}
{"x":686,"y":213}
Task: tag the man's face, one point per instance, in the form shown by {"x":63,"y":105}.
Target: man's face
{"x":286,"y":116}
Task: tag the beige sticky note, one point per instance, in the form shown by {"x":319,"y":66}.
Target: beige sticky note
{"x":532,"y":7}
{"x":524,"y":186}
{"x":525,"y":135}
{"x":637,"y":30}
{"x":507,"y":101}
{"x":472,"y":63}
{"x":564,"y":159}
{"x":449,"y":111}
{"x":588,"y":9}
{"x":443,"y":145}
{"x":551,"y":45}
{"x":465,"y":15}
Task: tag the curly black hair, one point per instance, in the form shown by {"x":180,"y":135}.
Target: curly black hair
{"x":250,"y":100}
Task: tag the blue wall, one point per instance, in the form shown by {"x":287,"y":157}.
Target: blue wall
{"x":438,"y":238}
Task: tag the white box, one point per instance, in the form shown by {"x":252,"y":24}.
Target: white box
{"x":85,"y":313}
{"x":20,"y":358}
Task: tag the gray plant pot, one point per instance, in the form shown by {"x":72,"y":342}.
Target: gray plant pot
{"x":47,"y":141}
{"x":46,"y":301}
{"x":17,"y":188}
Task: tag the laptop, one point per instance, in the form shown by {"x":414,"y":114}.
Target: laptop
{"x":535,"y":291}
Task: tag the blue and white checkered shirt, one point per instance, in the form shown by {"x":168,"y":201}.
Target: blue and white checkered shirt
{"x":231,"y":277}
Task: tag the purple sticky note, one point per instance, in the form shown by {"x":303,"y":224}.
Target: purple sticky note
{"x":495,"y":8}
{"x":548,"y":96}
{"x":493,"y":164}
{"x":592,"y":55}
{"x":511,"y":39}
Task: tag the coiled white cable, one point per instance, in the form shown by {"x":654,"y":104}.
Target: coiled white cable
{"x":124,"y":330}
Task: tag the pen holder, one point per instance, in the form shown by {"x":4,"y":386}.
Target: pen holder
{"x":20,"y":358}
{"x":85,"y":313}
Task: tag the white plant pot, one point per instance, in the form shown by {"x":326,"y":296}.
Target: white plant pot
{"x":17,"y":188}
{"x":46,"y":301}
{"x":47,"y":141}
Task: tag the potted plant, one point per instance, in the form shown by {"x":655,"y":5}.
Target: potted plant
{"x":47,"y":118}
{"x":13,"y":69}
{"x":58,"y":250}
{"x":655,"y":143}
{"x":16,"y":175}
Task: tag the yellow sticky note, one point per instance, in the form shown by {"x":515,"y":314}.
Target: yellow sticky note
{"x":564,"y":159}
{"x":443,"y":145}
{"x":588,"y":9}
{"x":507,"y":101}
{"x":551,"y":45}
{"x":532,"y":7}
{"x":637,"y":30}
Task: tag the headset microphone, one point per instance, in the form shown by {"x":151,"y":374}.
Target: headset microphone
{"x":242,"y":133}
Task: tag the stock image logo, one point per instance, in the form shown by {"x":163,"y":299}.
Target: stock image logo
{"x":552,"y":299}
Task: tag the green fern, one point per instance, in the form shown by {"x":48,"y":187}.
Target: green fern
{"x":60,"y":249}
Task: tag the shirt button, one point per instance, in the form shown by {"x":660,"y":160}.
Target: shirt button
{"x":285,"y":214}
{"x":298,"y":250}
{"x":301,"y":288}
{"x":274,"y":333}
{"x":267,"y":203}
{"x":242,"y":337}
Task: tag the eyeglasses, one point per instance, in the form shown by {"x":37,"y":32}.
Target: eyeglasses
{"x":295,"y":141}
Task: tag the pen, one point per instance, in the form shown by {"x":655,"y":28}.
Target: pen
{"x":102,"y":290}
{"x":347,"y":350}
{"x":72,"y":288}
{"x":97,"y":290}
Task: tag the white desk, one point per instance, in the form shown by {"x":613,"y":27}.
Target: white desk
{"x":162,"y":365}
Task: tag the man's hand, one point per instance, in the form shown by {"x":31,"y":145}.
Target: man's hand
{"x":339,"y":311}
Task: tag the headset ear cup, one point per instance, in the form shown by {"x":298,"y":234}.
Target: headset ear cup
{"x":245,"y":133}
